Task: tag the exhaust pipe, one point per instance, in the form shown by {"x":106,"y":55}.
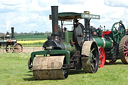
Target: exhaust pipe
{"x":12,"y":32}
{"x":54,"y":13}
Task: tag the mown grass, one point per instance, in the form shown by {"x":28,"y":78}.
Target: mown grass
{"x":32,"y":44}
{"x":30,"y":37}
{"x":31,"y":40}
{"x":38,"y":43}
{"x":13,"y":71}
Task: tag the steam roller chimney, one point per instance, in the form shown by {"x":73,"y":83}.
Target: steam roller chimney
{"x":12,"y":32}
{"x":54,"y":14}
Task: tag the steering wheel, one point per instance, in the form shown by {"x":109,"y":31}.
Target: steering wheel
{"x":118,"y":31}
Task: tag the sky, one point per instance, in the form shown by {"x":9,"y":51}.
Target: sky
{"x":33,"y":15}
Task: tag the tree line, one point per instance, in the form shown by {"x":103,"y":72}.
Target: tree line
{"x":33,"y":33}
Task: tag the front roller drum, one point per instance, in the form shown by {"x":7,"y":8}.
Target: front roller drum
{"x":49,"y":68}
{"x":90,"y":57}
{"x":48,"y":74}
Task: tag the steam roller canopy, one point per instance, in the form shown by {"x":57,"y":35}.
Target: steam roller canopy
{"x":49,"y":68}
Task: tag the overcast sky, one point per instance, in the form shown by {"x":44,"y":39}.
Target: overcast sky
{"x":33,"y":15}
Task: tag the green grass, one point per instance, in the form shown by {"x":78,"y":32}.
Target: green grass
{"x":30,"y":37}
{"x":39,"y":44}
{"x":13,"y":71}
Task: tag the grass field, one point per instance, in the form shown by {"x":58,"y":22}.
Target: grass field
{"x":30,"y":37}
{"x":31,"y":40}
{"x":13,"y":71}
{"x":34,"y":43}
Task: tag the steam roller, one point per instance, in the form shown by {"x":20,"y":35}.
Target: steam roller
{"x":66,"y":49}
{"x":9,"y":43}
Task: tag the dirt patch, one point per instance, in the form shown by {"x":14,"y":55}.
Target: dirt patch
{"x":32,"y":49}
{"x":25,"y":49}
{"x":2,"y":50}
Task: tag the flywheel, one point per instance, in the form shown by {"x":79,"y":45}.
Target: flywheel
{"x":78,"y":34}
{"x":118,"y":31}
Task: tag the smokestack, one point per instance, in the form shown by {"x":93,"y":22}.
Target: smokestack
{"x":54,"y":14}
{"x":12,"y":32}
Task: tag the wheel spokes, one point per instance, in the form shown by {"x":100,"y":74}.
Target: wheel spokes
{"x":126,"y":50}
{"x":126,"y":57}
{"x":17,"y":48}
{"x":101,"y":57}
